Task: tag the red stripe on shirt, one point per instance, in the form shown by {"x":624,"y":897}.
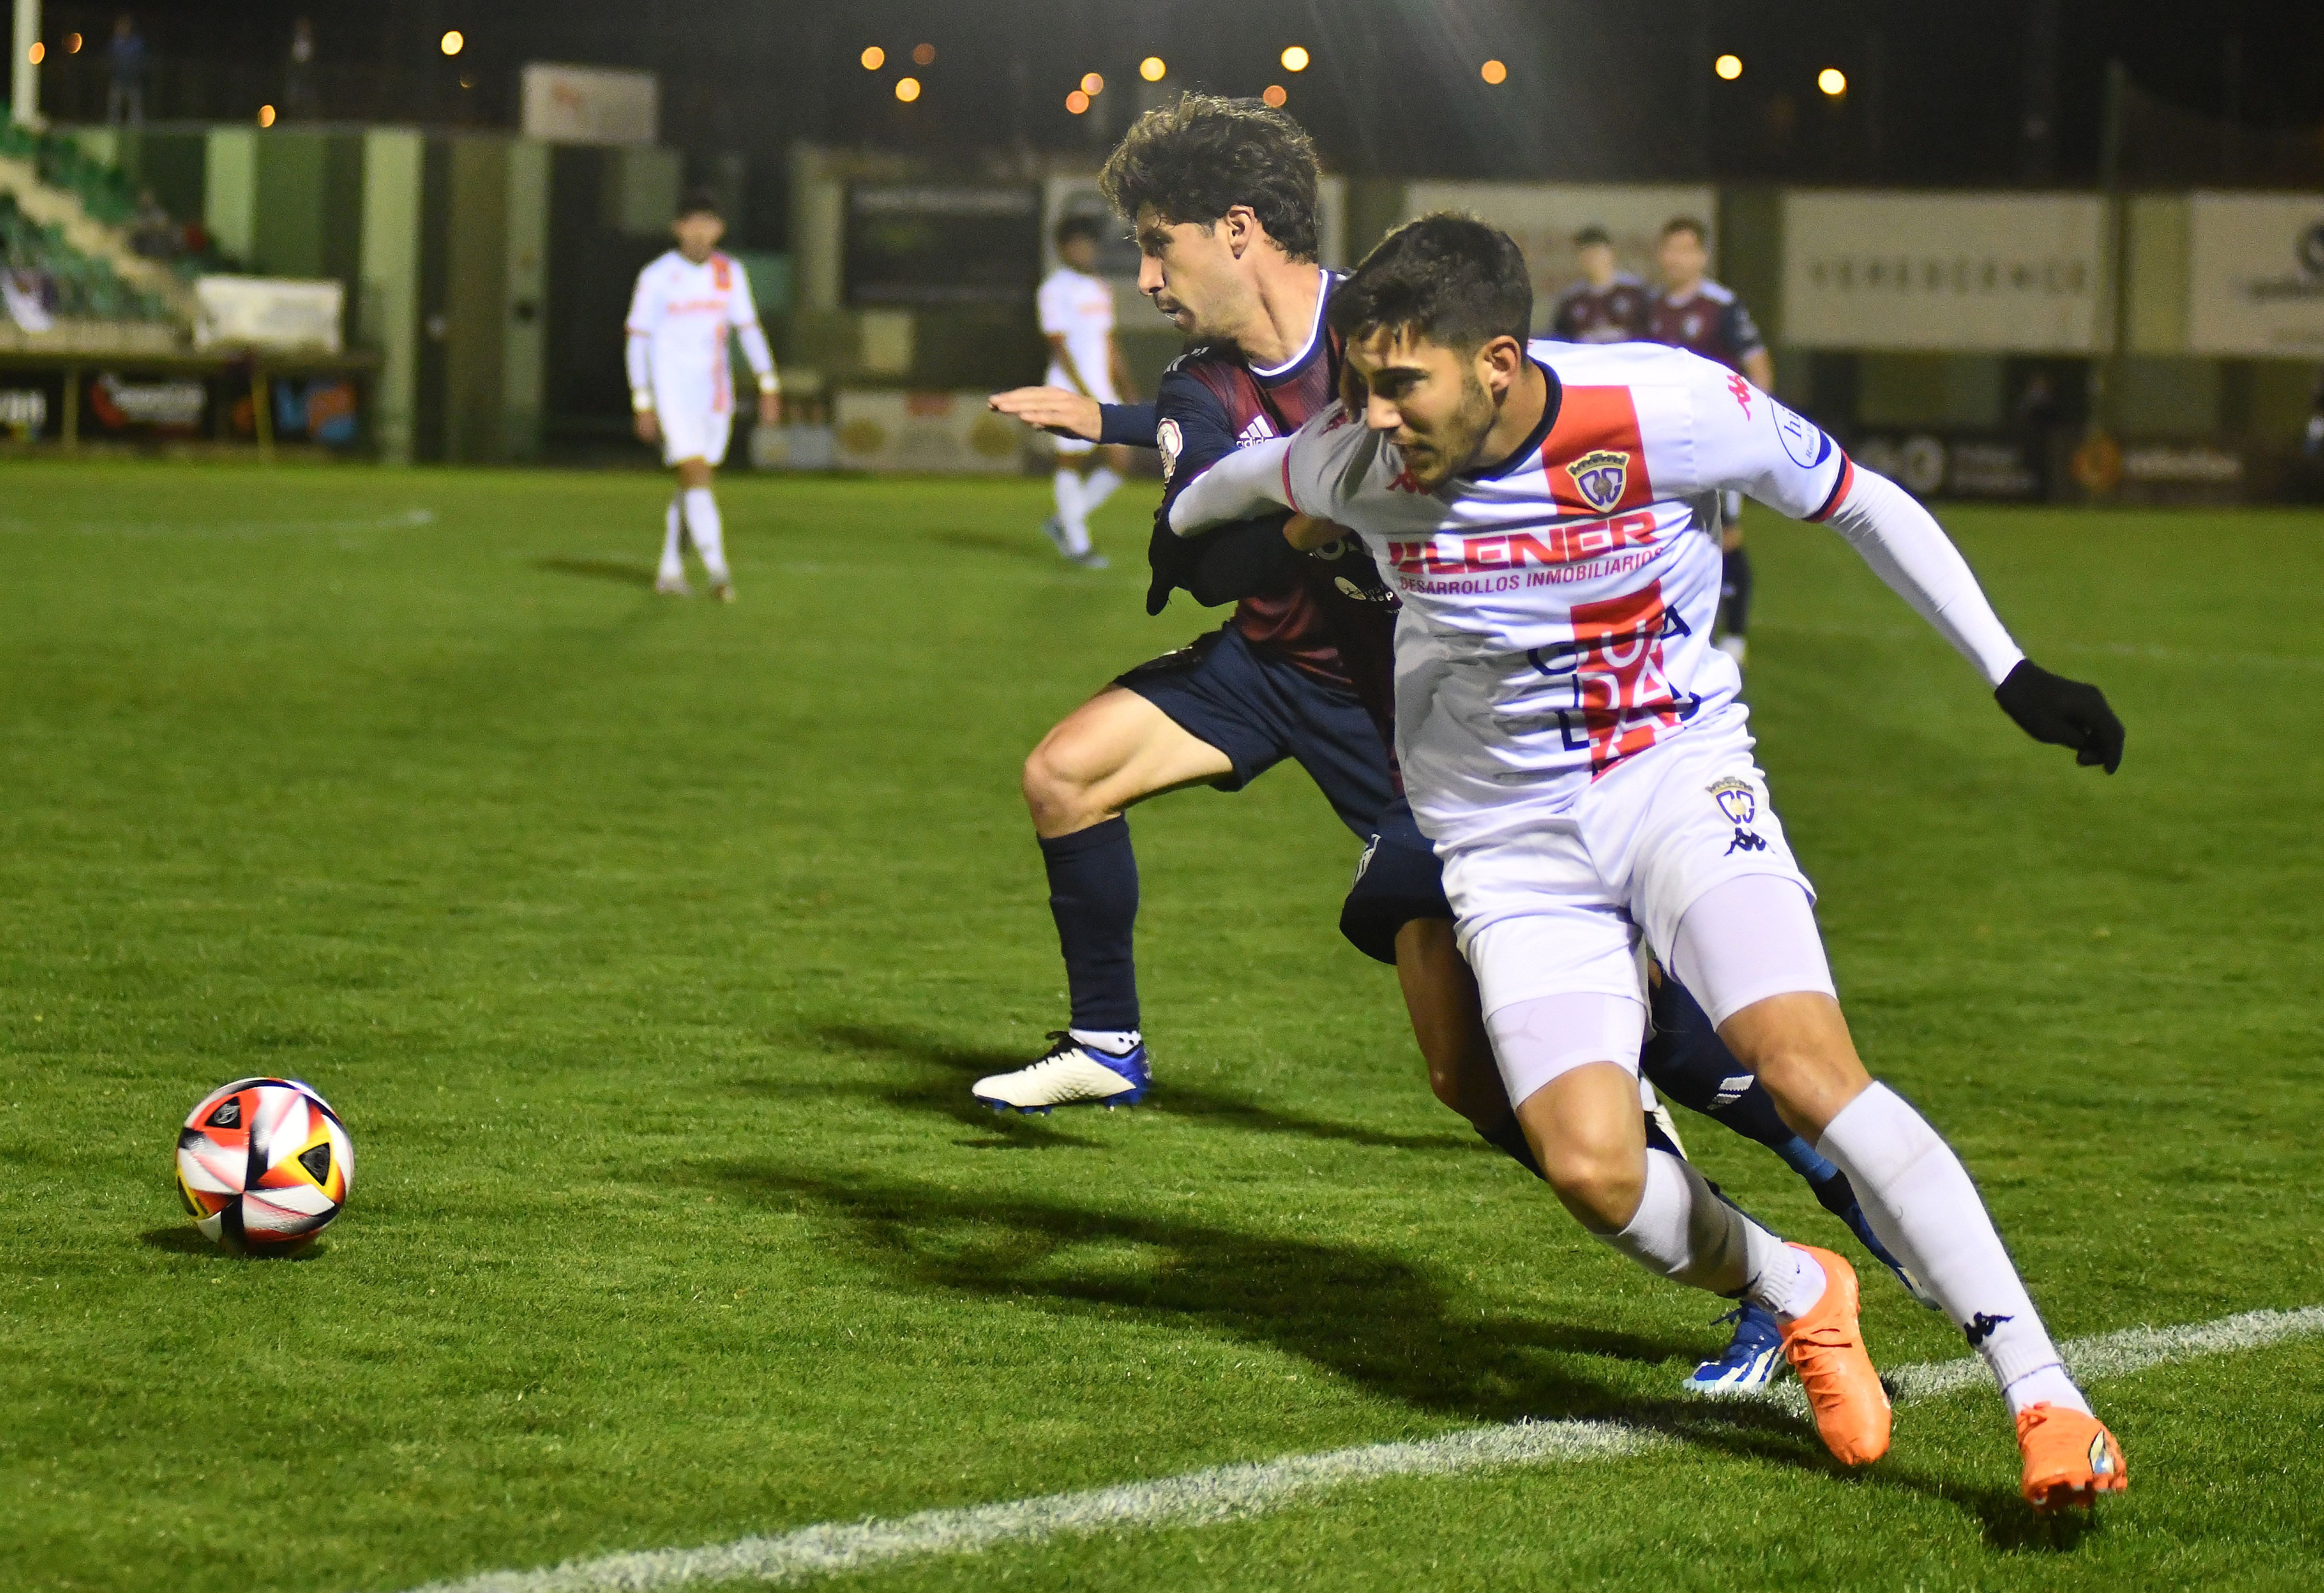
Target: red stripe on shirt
{"x":1839,"y":490}
{"x":1593,"y":420}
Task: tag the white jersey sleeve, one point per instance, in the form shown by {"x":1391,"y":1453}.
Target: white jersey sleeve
{"x":645,"y":316}
{"x":1311,"y":472}
{"x":1744,"y":441}
{"x":742,"y":315}
{"x":1055,"y":304}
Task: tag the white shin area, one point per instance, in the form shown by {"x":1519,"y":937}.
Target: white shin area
{"x":1073,"y":511}
{"x":703,"y":525}
{"x":673,"y":547}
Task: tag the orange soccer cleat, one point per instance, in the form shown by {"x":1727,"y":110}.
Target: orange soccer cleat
{"x":2070,"y":1459}
{"x":1826,"y":1348}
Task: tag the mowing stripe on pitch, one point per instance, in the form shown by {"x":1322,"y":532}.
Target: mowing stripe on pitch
{"x":1229,"y":1493}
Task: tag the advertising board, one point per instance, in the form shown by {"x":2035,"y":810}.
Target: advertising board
{"x":1543,"y":218}
{"x":2255,"y":275}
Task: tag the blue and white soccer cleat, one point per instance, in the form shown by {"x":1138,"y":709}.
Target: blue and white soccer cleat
{"x":1749,"y":1363}
{"x":1069,"y":1073}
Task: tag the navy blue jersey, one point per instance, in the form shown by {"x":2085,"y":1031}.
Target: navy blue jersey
{"x":1710,"y":321}
{"x":1615,"y":313}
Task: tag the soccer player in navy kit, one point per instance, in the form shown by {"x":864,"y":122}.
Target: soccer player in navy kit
{"x":1702,"y":316}
{"x":1607,"y":305}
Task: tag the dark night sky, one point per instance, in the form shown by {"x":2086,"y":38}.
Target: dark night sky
{"x":1939,"y":92}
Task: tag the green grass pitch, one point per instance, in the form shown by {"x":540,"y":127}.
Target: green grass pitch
{"x":648,"y":948}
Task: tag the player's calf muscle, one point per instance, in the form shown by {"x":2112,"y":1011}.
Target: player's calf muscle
{"x":1798,"y":1046}
{"x":1441,"y":995}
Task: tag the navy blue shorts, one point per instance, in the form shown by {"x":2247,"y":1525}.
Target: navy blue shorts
{"x":1397,"y":881}
{"x":1259,"y":709}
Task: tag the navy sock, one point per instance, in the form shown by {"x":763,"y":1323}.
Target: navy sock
{"x":1734,"y":585}
{"x":1093,"y":896}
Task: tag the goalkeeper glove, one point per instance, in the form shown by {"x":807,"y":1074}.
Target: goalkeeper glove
{"x":2063,"y":713}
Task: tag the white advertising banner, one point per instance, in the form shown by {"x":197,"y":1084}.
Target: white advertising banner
{"x":2255,"y":275}
{"x":1964,"y":273}
{"x":589,"y":105}
{"x":940,"y":433}
{"x":273,"y":313}
{"x":1543,"y":218}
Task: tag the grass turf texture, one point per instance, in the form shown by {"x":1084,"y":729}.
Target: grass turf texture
{"x":648,"y":947}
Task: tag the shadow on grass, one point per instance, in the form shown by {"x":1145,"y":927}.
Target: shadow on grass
{"x":187,"y":1241}
{"x":1031,"y":545}
{"x":598,"y":569}
{"x":947,"y":1069}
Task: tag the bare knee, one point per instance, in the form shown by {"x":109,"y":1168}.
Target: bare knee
{"x":1800,"y":1048}
{"x":1600,"y":1183}
{"x":1059,"y":790}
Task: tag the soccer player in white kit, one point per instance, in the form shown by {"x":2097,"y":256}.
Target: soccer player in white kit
{"x":1077,"y":310}
{"x":686,"y":302}
{"x":1574,"y":747}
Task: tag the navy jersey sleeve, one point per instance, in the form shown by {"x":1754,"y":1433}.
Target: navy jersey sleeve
{"x":1129,"y":425}
{"x":1194,"y":431}
{"x":1742,"y":331}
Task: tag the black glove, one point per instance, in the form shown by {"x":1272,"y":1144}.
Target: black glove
{"x":2063,"y":713}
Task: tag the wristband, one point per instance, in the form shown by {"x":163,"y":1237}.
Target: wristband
{"x":641,"y":400}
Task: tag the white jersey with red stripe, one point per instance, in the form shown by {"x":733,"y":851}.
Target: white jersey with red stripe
{"x":1557,"y":608}
{"x":684,"y":311}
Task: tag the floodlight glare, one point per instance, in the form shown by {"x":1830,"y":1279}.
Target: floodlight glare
{"x":37,"y":53}
{"x":907,"y":89}
{"x":1077,"y":102}
{"x":1152,"y":69}
{"x":1832,"y":81}
{"x":1092,"y":84}
{"x":1276,"y":96}
{"x":1729,"y":67}
{"x":924,"y":55}
{"x":1493,"y":71}
{"x":454,"y":42}
{"x":72,"y":43}
{"x":1294,"y":58}
{"x":266,"y":115}
{"x":874,"y":59}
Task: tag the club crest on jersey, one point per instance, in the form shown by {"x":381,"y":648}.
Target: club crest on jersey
{"x":1600,"y":476}
{"x":1169,"y":439}
{"x":1736,"y":799}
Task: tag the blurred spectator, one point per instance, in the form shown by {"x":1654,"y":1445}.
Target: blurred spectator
{"x":299,"y":98}
{"x":125,"y":59}
{"x":30,"y":299}
{"x":153,"y":233}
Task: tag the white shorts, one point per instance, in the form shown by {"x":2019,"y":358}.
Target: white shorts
{"x":691,"y":433}
{"x":1558,"y":904}
{"x":1103,"y":390}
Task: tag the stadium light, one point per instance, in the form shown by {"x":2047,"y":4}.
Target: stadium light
{"x":924,"y":55}
{"x":907,"y":89}
{"x":454,"y":42}
{"x":1294,"y":58}
{"x":37,"y":53}
{"x":1494,"y":72}
{"x":874,"y":59}
{"x":1728,"y":66}
{"x":266,"y":115}
{"x":1077,"y":102}
{"x":1276,"y":96}
{"x":1152,"y":69}
{"x":72,"y":43}
{"x":1092,"y":84}
{"x":1832,"y":81}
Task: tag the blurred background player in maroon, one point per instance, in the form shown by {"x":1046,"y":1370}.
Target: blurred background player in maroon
{"x":1694,"y":313}
{"x":1607,"y":305}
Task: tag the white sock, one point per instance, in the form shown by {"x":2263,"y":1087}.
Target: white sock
{"x":1097,"y":486}
{"x":1921,"y":1202}
{"x":1121,"y":1042}
{"x":2048,"y":1386}
{"x":673,"y":561}
{"x":1072,"y":511}
{"x":1683,"y":1232}
{"x":709,"y":537}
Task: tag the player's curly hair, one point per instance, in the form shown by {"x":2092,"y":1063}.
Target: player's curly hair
{"x":1196,"y":160}
{"x":1448,"y":278}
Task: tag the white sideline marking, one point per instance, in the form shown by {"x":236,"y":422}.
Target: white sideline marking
{"x":1232,"y":1493}
{"x":404,"y":519}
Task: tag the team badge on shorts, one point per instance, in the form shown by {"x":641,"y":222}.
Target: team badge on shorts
{"x":1600,"y":476}
{"x":1740,"y":804}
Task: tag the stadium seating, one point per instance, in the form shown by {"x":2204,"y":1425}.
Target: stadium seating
{"x":67,"y":217}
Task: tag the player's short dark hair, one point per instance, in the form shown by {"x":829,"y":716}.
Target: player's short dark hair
{"x":1593,"y":234}
{"x":700,"y":201}
{"x":1195,"y":159}
{"x":1448,"y":278}
{"x":1077,"y":227}
{"x":1686,"y":223}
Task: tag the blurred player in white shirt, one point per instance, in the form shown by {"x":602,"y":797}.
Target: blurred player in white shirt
{"x":686,"y":302}
{"x":1076,"y":308}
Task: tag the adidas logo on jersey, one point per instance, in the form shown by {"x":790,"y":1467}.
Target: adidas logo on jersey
{"x":1257,"y":432}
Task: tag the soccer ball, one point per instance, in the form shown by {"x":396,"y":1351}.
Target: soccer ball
{"x":264,"y":1163}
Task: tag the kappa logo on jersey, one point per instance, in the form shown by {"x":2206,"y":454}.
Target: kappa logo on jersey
{"x":1257,"y":432}
{"x":1740,"y":804}
{"x":1549,"y":547}
{"x":1802,"y":439}
{"x":1742,"y":391}
{"x":1169,"y":440}
{"x":1600,"y":476}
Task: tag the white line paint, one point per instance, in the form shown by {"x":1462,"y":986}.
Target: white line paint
{"x":405,"y":520}
{"x":1231,"y":1493}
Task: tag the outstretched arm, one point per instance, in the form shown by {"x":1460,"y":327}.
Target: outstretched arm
{"x":1241,"y":485}
{"x":1906,"y":548}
